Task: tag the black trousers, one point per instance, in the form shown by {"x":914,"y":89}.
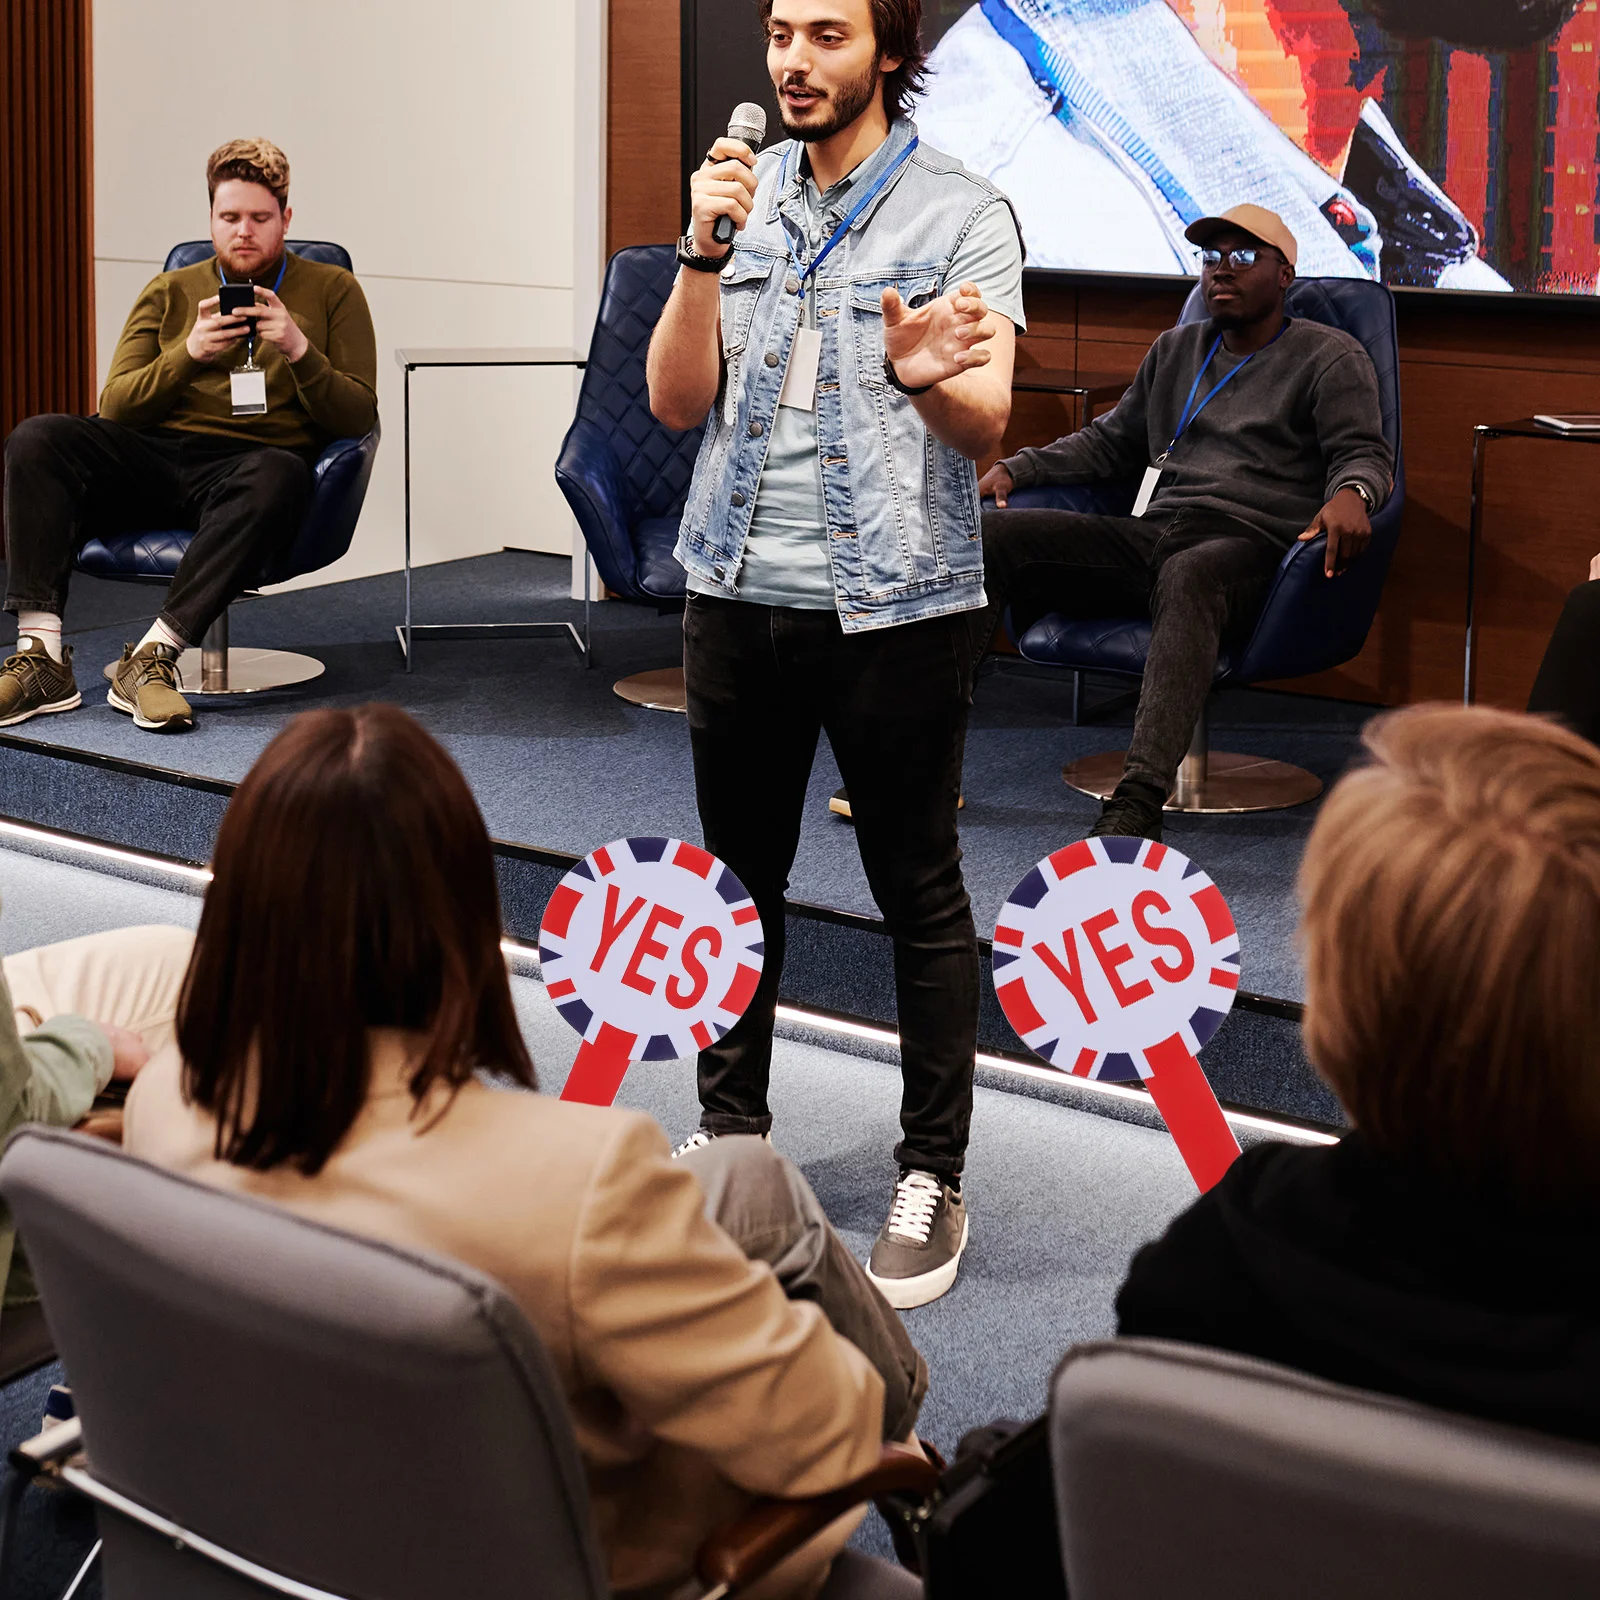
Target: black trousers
{"x":763,"y":682}
{"x":1199,"y":577}
{"x":1568,"y":685}
{"x":69,"y":478}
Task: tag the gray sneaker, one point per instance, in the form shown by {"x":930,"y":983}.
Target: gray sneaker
{"x":919,"y":1248}
{"x":33,"y":682}
{"x":699,"y":1139}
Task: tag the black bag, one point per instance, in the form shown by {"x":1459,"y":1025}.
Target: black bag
{"x":991,"y":1528}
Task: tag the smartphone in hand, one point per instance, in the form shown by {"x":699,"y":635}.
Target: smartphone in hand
{"x":232,"y":298}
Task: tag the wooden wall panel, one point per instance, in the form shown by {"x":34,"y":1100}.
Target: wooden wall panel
{"x":643,"y":126}
{"x":46,"y":210}
{"x":1461,"y":362}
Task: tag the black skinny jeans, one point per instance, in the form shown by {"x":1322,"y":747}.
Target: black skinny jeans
{"x":69,"y":478}
{"x":1200,"y":577}
{"x":763,"y":682}
{"x":1568,"y":685}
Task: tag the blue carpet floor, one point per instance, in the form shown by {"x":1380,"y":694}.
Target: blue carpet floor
{"x":1059,"y":1199}
{"x":557,"y":761}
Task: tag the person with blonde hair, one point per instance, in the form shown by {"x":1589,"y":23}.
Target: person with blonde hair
{"x":1443,"y":1250}
{"x":209,"y":420}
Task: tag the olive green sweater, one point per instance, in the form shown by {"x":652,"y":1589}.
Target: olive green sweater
{"x":329,"y":393}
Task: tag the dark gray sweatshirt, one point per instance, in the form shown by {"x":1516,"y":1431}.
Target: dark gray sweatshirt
{"x":1299,"y":422}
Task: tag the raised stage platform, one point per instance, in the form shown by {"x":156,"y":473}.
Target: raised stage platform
{"x":559,"y":764}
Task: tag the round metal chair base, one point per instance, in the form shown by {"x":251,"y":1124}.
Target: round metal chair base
{"x":1232,"y":783}
{"x":249,"y":671}
{"x":661,"y":690}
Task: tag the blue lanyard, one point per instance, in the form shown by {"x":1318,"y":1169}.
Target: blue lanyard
{"x":250,"y":349}
{"x":1190,"y":410}
{"x":855,"y":211}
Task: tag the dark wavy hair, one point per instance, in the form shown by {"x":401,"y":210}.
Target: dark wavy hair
{"x":897,"y":29}
{"x":354,"y":888}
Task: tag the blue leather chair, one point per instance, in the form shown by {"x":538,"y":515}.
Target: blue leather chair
{"x":1309,"y":623}
{"x":626,"y":476}
{"x":152,"y":555}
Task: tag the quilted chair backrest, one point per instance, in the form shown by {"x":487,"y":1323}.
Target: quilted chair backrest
{"x":193,"y":250}
{"x":656,"y":463}
{"x":1359,"y":307}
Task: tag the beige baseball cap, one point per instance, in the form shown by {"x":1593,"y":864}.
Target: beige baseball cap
{"x":1267,"y":226}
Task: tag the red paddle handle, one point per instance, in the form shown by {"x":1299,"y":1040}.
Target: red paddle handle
{"x":1185,"y":1100}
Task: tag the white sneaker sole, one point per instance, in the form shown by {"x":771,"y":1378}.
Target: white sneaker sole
{"x":41,"y":711}
{"x":116,"y":701}
{"x":905,"y":1293}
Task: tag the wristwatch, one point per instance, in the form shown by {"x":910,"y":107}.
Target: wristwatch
{"x":893,"y":380}
{"x":691,"y":258}
{"x":1362,"y":490}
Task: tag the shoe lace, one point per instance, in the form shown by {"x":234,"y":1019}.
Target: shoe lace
{"x":27,"y":667}
{"x":157,"y":666}
{"x":916,"y":1201}
{"x":696,"y":1141}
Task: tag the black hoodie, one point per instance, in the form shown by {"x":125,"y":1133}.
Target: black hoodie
{"x":1332,"y":1260}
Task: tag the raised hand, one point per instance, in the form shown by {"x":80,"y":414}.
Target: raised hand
{"x":723,"y":185}
{"x":213,"y":336}
{"x":276,"y":326}
{"x":938,"y":340}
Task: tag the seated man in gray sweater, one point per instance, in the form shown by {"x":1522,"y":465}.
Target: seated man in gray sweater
{"x":1246,"y":432}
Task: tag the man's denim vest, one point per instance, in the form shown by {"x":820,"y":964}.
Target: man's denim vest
{"x":902,"y":508}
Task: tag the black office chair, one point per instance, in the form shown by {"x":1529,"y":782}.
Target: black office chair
{"x":265,"y":1403}
{"x":151,"y":555}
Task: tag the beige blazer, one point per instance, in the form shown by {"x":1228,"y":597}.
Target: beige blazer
{"x":693,"y":1383}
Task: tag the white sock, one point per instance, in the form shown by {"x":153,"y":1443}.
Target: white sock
{"x":160,"y":633}
{"x":44,"y":627}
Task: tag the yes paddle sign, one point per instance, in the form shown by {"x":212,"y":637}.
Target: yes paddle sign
{"x":1118,"y":959}
{"x":651,"y":950}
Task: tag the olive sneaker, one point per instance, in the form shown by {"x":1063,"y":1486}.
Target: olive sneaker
{"x":33,"y":682}
{"x":919,"y":1248}
{"x":146,"y":687}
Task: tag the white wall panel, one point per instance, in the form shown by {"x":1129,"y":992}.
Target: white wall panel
{"x":437,"y":144}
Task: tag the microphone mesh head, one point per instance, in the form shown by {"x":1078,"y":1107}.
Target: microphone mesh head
{"x":748,"y":122}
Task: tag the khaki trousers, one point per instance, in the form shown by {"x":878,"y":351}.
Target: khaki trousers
{"x":129,"y":977}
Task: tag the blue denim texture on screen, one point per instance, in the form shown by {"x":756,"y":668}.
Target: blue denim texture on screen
{"x":904,"y":536}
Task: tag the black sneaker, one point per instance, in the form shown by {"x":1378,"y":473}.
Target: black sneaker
{"x":33,"y":682}
{"x":1132,"y":812}
{"x":918,"y":1250}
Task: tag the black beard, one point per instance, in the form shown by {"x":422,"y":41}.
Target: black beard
{"x":849,"y":101}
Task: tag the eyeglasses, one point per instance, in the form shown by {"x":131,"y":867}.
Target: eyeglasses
{"x":1246,"y":256}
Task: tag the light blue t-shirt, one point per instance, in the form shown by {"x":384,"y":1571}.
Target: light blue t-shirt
{"x":786,"y":549}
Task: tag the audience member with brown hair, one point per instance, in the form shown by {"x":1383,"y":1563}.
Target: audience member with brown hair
{"x":715,"y":1339}
{"x":1444,"y":1249}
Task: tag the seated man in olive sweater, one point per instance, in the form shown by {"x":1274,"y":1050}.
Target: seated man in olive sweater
{"x":169,"y":450}
{"x":1249,"y":431}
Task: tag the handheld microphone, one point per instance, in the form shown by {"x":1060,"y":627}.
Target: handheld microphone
{"x":749,"y":124}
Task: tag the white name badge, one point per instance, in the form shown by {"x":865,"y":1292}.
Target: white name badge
{"x":249,"y":392}
{"x":800,"y":381}
{"x":1147,"y":487}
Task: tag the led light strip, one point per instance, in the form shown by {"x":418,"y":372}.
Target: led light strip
{"x":809,"y":1019}
{"x":1044,"y":1074}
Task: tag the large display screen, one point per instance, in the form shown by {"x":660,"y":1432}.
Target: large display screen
{"x":1428,"y":143}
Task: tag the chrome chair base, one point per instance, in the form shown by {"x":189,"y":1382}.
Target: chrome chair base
{"x":1228,"y":783}
{"x":1210,"y":782}
{"x":215,"y":669}
{"x":661,"y":690}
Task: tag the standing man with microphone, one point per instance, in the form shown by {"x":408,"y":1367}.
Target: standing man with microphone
{"x":853,"y":347}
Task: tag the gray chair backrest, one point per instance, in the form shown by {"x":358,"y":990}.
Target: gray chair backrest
{"x":370,"y":1421}
{"x":1186,"y":1471}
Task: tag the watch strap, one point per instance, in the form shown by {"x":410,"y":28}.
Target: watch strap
{"x":892,"y":378}
{"x":1362,"y":490}
{"x":691,"y":258}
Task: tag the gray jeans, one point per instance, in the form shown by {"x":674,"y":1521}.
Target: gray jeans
{"x":764,"y":1204}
